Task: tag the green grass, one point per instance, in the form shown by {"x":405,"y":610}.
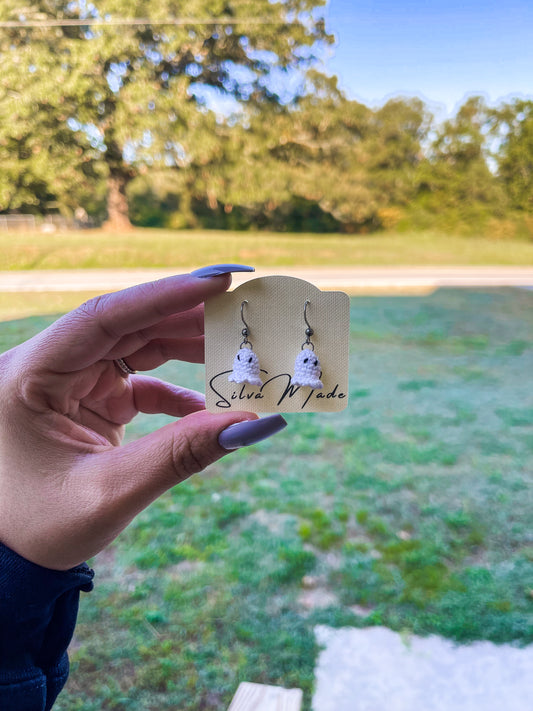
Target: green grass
{"x":15,"y":305}
{"x":412,"y":508}
{"x":164,"y":248}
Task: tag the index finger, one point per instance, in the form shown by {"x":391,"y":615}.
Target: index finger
{"x":87,"y":334}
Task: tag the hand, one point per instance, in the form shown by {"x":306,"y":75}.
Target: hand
{"x":66,"y":488}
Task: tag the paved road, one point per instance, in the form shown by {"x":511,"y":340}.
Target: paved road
{"x":351,"y":279}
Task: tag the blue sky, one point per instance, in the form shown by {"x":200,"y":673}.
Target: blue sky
{"x":440,"y":50}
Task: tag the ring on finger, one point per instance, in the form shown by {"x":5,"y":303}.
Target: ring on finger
{"x":124,"y":367}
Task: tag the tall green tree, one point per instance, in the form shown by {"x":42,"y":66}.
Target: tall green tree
{"x":398,"y":131}
{"x":278,"y":160}
{"x":513,"y":126}
{"x":312,"y":153}
{"x":323,"y":159}
{"x":116,"y":97}
{"x":456,"y":175}
{"x":348,"y":159}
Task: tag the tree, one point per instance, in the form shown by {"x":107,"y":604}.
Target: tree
{"x":398,"y":130}
{"x":44,"y":163}
{"x":307,"y":159}
{"x":115,"y":97}
{"x":311,"y":153}
{"x":324,"y":162}
{"x":456,"y":175}
{"x":352,"y":161}
{"x":280,"y":165}
{"x":512,"y":123}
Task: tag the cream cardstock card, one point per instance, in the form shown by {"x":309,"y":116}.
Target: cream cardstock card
{"x":274,"y":309}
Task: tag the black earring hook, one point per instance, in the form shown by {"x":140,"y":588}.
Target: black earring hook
{"x":246,"y":330}
{"x":308,"y":331}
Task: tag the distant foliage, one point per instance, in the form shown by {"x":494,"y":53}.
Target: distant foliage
{"x":514,"y":122}
{"x":117,"y":121}
{"x":85,"y":105}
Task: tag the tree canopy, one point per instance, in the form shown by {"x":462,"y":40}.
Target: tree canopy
{"x":514,"y":123}
{"x":120,"y":96}
{"x":215,"y":113}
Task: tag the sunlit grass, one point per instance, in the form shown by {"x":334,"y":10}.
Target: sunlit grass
{"x":16,"y":305}
{"x":166,"y":248}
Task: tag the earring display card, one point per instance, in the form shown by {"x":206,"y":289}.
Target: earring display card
{"x":274,"y":314}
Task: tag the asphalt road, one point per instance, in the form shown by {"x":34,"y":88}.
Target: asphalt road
{"x":354,"y":280}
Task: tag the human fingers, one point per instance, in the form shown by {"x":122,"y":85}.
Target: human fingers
{"x":88,"y":333}
{"x":113,"y":486}
{"x":154,"y":396}
{"x":160,"y":460}
{"x":189,"y":324}
{"x":147,"y":394}
{"x":162,"y":350}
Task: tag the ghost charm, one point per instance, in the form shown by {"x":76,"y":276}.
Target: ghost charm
{"x":307,"y":370}
{"x":245,"y":363}
{"x":245,"y":368}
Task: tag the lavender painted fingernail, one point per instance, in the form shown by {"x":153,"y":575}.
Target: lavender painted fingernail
{"x":243,"y":434}
{"x":218,"y":269}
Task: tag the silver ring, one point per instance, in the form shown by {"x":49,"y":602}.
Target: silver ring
{"x":124,"y":367}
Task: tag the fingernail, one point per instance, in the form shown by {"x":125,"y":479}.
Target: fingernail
{"x":243,"y":434}
{"x":218,"y":269}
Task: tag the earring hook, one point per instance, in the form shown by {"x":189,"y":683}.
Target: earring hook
{"x":245,"y":331}
{"x":308,"y":331}
{"x":242,"y":314}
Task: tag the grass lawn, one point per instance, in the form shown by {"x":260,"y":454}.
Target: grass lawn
{"x":16,"y":305}
{"x":410,"y":509}
{"x":164,"y":248}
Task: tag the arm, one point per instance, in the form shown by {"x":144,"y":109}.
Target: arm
{"x":67,"y":487}
{"x":38,"y":609}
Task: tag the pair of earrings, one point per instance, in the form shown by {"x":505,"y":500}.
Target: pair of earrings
{"x":307,"y":371}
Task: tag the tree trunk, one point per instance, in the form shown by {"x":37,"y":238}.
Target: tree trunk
{"x":118,"y":219}
{"x":185,"y":207}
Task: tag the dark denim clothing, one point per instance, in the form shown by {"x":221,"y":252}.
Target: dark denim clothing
{"x":38,"y":610}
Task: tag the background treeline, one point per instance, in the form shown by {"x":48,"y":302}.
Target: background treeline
{"x":329,"y":164}
{"x":118,"y":122}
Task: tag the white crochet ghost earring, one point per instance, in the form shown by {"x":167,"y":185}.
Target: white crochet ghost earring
{"x":307,"y":369}
{"x":246,"y":362}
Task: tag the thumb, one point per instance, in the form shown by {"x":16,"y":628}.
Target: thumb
{"x":121,"y":482}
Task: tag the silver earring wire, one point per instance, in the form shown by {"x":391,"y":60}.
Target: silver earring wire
{"x":246,"y":330}
{"x":308,"y":331}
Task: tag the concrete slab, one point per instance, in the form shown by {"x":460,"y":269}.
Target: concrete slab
{"x":375,"y":669}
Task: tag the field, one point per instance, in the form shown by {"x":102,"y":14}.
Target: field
{"x":164,"y":248}
{"x":411,"y":509}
